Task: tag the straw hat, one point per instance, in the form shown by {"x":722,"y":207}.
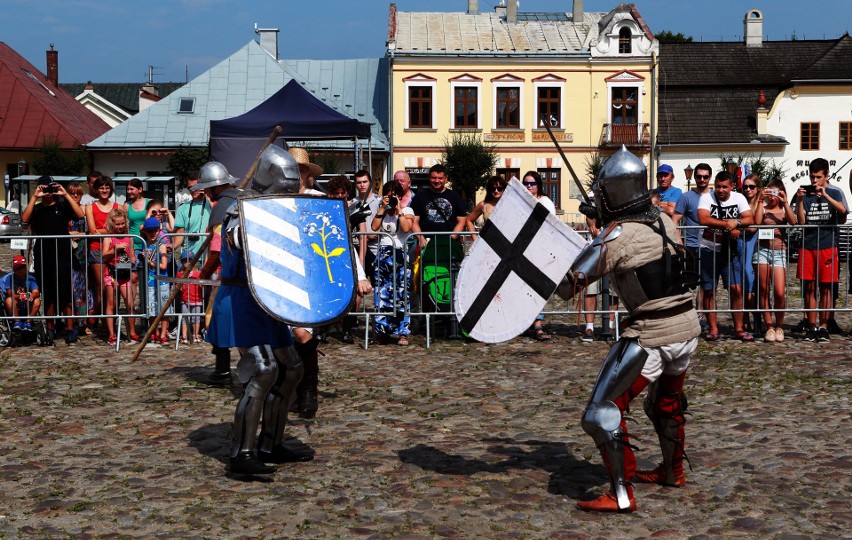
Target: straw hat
{"x":301,"y":156}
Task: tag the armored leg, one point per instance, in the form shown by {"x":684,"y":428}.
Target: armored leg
{"x":306,"y":403}
{"x":257,"y":371}
{"x":665,"y":406}
{"x":270,"y":447}
{"x":618,"y":382}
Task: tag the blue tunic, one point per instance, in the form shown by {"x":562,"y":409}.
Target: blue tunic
{"x":237,"y":320}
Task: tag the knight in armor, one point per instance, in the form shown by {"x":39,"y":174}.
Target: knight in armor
{"x":639,"y":248}
{"x":269,"y":367}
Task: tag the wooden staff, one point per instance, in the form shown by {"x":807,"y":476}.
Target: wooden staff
{"x":175,"y":291}
{"x":178,"y":286}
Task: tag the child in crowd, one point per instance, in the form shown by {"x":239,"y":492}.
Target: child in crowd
{"x":157,"y":257}
{"x":22,"y":295}
{"x":191,"y":301}
{"x":156,"y":209}
{"x":119,"y":258}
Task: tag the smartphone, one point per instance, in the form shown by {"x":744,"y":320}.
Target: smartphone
{"x":810,"y":189}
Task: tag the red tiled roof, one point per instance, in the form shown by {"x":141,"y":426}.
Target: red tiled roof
{"x":31,"y":108}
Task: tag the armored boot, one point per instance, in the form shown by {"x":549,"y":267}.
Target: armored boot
{"x":665,"y":407}
{"x":620,"y":462}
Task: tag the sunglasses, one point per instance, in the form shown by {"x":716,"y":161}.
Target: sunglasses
{"x":498,"y":188}
{"x":702,"y":177}
{"x":749,"y":186}
{"x":530,"y":184}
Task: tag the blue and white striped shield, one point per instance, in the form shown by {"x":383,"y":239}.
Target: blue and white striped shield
{"x":298,"y":256}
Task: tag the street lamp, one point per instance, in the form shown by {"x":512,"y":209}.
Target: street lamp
{"x":687,"y":172}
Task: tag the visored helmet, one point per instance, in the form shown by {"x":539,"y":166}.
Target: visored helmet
{"x":621,"y":189}
{"x":277,"y":172}
{"x":213,"y":174}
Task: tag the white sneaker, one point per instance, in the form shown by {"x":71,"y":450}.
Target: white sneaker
{"x":173,"y":334}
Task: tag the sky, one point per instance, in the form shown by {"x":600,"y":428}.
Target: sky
{"x":109,"y":41}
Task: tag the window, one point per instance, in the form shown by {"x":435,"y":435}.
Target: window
{"x":550,"y":181}
{"x":845,"y":135}
{"x":549,"y":106}
{"x":509,"y":107}
{"x":420,"y":107}
{"x":810,"y":136}
{"x":508,"y":174}
{"x":187,"y":105}
{"x":466,"y":104}
{"x":624,"y":41}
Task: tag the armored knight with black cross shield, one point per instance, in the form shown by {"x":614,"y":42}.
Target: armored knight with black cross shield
{"x":640,"y":249}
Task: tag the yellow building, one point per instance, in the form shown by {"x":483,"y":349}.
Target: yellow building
{"x":501,"y":74}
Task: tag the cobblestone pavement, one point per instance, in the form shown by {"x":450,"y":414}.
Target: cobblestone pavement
{"x":463,"y":440}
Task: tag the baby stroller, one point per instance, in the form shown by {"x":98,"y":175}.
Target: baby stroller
{"x":440,"y":261}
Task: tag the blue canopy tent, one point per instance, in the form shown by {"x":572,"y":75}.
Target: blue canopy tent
{"x":236,"y":141}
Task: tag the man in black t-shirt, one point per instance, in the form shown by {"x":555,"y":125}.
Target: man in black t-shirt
{"x":438,"y":209}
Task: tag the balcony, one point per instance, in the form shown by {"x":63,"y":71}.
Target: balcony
{"x":637,"y":136}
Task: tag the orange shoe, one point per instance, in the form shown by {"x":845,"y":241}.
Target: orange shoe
{"x":659,"y":476}
{"x":605,"y":503}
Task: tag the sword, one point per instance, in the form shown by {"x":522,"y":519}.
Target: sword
{"x":582,"y":189}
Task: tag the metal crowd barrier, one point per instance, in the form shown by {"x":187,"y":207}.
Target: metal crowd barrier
{"x":74,"y":293}
{"x":428,"y":291}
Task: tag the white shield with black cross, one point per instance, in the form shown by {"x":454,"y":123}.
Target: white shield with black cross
{"x":513,"y":267}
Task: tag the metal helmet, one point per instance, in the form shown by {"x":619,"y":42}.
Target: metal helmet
{"x":277,"y":172}
{"x":621,"y":189}
{"x":213,"y":174}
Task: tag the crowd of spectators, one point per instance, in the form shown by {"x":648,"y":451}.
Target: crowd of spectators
{"x":92,"y":253}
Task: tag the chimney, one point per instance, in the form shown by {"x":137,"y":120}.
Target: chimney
{"x":53,"y":66}
{"x":473,"y":7}
{"x":268,"y":40}
{"x":578,"y":12}
{"x":149,"y":86}
{"x":512,"y":11}
{"x":753,"y":28}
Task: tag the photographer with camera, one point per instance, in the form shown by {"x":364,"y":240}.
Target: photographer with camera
{"x":53,"y":256}
{"x":819,"y":258}
{"x":361,"y":211}
{"x":393,"y":275}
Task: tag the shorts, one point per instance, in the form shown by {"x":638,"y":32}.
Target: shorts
{"x":594,"y":288}
{"x":771,"y":257}
{"x":94,"y":257}
{"x":194,"y":310}
{"x":821,"y":265}
{"x":719,"y":263}
{"x":156,"y":300}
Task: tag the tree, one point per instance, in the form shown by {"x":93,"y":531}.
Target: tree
{"x":185,"y":160}
{"x":469,"y":163}
{"x":594,"y":164}
{"x":667,"y":36}
{"x":56,"y":161}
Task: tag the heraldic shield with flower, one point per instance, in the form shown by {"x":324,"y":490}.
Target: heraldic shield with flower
{"x":298,"y":255}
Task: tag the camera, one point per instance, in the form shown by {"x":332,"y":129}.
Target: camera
{"x":393,"y":202}
{"x":810,"y":189}
{"x":50,"y":188}
{"x":773,"y":192}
